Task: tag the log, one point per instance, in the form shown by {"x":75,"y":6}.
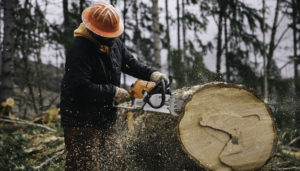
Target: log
{"x":221,"y":127}
{"x":227,"y":126}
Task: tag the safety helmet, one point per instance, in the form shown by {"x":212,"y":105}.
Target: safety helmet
{"x":103,"y":20}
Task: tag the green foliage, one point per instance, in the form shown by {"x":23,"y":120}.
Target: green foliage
{"x":12,"y":151}
{"x":198,"y":73}
{"x":23,"y":148}
{"x":177,"y":68}
{"x":146,"y":45}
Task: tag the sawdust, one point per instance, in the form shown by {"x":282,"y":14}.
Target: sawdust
{"x":144,"y":141}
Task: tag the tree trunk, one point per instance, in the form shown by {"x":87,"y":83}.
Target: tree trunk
{"x":296,"y":61}
{"x":266,"y":90}
{"x":124,"y":36}
{"x":219,"y":39}
{"x":112,"y":2}
{"x":66,"y":26}
{"x":8,"y":53}
{"x":178,"y":26}
{"x":39,"y":71}
{"x":213,"y":122}
{"x":272,"y":47}
{"x":137,"y":29}
{"x":156,"y":31}
{"x":1,"y":38}
{"x":81,"y":6}
{"x":168,"y":37}
{"x":185,"y":60}
{"x":227,"y":63}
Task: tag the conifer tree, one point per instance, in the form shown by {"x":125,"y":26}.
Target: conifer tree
{"x":8,"y":50}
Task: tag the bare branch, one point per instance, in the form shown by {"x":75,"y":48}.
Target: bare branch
{"x":20,"y":121}
{"x":280,"y":20}
{"x":281,"y":36}
{"x":49,"y":160}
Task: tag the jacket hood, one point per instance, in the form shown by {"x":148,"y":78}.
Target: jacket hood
{"x":83,"y":32}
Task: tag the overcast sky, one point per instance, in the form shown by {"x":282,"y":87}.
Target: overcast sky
{"x":54,"y":15}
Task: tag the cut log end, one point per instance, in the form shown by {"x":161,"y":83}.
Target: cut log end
{"x":226,"y":126}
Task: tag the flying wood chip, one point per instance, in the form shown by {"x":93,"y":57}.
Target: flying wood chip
{"x":227,"y":127}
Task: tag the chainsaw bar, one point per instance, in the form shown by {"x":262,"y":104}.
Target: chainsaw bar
{"x":172,"y":106}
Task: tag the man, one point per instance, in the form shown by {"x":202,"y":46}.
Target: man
{"x":91,"y":83}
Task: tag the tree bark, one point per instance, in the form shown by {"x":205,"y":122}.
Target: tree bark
{"x":227,"y":63}
{"x":39,"y":71}
{"x":271,"y":47}
{"x":81,"y":6}
{"x":266,"y":90}
{"x":219,"y":38}
{"x":296,"y":60}
{"x":8,"y":52}
{"x":124,"y":35}
{"x":137,"y":29}
{"x":143,"y":140}
{"x":168,"y":37}
{"x":178,"y":26}
{"x":66,"y":26}
{"x":185,"y":60}
{"x":156,"y":34}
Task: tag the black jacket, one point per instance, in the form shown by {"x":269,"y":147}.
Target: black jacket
{"x":90,"y":80}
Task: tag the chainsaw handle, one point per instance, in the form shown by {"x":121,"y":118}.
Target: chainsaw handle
{"x":170,"y":82}
{"x":162,"y":91}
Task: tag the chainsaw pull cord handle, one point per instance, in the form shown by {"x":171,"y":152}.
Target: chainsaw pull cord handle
{"x":162,"y":92}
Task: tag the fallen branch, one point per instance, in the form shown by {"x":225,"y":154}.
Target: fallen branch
{"x":295,"y":154}
{"x":294,"y":140}
{"x":290,"y":168}
{"x":49,"y":160}
{"x":19,"y":121}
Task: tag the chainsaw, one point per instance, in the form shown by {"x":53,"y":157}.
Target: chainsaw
{"x":155,"y":97}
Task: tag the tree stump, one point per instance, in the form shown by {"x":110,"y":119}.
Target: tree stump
{"x":226,"y":126}
{"x":221,"y":127}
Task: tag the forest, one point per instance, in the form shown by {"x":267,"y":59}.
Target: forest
{"x":253,"y":43}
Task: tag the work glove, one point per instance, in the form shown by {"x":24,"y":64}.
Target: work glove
{"x":155,"y":77}
{"x":121,"y":95}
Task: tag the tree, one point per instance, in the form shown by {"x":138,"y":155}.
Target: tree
{"x":146,"y":41}
{"x":236,"y":24}
{"x":219,"y":36}
{"x":271,"y":47}
{"x":156,"y":34}
{"x":266,"y":95}
{"x":178,"y":28}
{"x":113,"y":2}
{"x":66,"y":26}
{"x":227,"y":60}
{"x":137,"y":32}
{"x":8,"y":51}
{"x":31,"y":33}
{"x":296,"y":31}
{"x":125,"y":10}
{"x":168,"y":46}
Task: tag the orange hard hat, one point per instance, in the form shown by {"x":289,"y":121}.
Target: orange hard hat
{"x":103,"y":19}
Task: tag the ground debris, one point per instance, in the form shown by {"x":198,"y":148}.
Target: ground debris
{"x":141,"y":141}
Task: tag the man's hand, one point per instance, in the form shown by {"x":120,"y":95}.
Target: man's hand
{"x":155,"y":77}
{"x":121,"y":95}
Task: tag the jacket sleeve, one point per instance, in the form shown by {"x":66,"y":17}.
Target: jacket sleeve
{"x":78,"y":80}
{"x":132,"y":67}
